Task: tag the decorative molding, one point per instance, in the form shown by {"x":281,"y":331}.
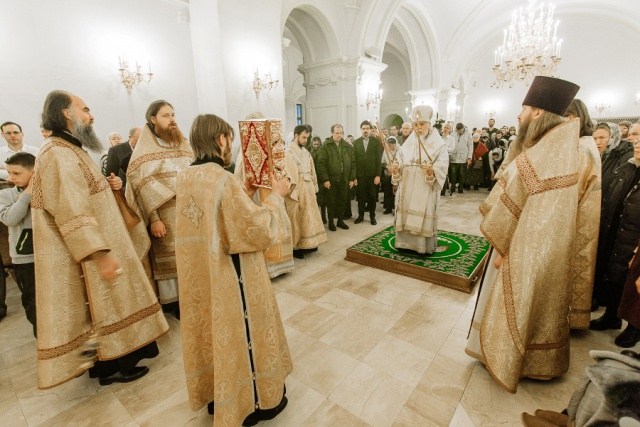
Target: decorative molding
{"x":352,"y":6}
{"x":425,"y":23}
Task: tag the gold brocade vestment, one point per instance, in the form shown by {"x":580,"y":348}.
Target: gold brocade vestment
{"x":223,"y":316}
{"x":521,"y":324}
{"x":74,"y":216}
{"x":307,"y":229}
{"x":279,"y":257}
{"x":587,"y":228}
{"x":151,"y":183}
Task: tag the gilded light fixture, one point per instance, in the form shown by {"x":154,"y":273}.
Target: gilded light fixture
{"x":130,"y":78}
{"x":374,"y":98}
{"x":266,"y":83}
{"x":601,"y":107}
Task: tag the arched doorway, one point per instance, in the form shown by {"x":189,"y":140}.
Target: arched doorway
{"x":307,"y":38}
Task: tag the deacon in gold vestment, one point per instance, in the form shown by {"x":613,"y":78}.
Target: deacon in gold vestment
{"x":307,"y":229}
{"x":91,"y":282}
{"x":521,"y":324}
{"x":236,"y":356}
{"x":279,"y":257}
{"x":587,"y":220}
{"x":161,"y":152}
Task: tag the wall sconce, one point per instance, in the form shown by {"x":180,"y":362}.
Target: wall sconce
{"x":638,"y":98}
{"x":130,"y":78}
{"x":374,"y":98}
{"x":267,"y":83}
{"x":601,"y":107}
{"x":490,"y":113}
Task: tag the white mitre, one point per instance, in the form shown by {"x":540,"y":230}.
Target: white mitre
{"x":422,"y":113}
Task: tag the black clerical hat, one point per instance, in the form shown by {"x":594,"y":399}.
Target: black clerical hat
{"x":551,"y":94}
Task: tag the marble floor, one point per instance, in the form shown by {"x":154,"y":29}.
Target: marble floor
{"x":370,"y":348}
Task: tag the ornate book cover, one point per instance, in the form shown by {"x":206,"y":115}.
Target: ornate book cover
{"x":262,"y":150}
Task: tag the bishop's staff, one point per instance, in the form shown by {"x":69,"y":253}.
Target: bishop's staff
{"x":395,"y":165}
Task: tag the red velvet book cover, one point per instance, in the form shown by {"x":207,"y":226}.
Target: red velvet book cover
{"x":262,"y":150}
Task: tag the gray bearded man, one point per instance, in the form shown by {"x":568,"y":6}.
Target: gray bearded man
{"x":421,"y":171}
{"x":161,"y":152}
{"x":521,"y":324}
{"x":92,"y":287}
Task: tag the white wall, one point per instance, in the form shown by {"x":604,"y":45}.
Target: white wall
{"x":74,"y":45}
{"x":251,"y":37}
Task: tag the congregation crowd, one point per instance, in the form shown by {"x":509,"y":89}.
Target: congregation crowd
{"x":169,"y":224}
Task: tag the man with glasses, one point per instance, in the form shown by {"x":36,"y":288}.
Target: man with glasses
{"x":12,"y":133}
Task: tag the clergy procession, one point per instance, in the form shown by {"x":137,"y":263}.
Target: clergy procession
{"x":332,"y":261}
{"x":192,"y":239}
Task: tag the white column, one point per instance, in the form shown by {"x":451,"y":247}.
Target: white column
{"x":207,"y":54}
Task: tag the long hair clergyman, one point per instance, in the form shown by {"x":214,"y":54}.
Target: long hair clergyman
{"x":206,"y":131}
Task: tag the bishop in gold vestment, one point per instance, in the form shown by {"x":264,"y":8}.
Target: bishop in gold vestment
{"x":302,"y":208}
{"x":151,"y":181}
{"x":235,"y":351}
{"x":521,"y":324}
{"x":77,"y":226}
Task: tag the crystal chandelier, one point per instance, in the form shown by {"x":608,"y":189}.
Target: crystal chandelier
{"x":530,"y":46}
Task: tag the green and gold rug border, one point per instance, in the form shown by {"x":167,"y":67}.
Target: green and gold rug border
{"x":453,"y":281}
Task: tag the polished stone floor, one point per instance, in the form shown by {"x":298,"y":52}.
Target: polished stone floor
{"x":370,"y":348}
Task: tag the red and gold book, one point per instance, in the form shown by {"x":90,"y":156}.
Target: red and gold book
{"x":262,"y":150}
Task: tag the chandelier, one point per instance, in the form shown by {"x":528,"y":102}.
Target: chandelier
{"x":530,"y":46}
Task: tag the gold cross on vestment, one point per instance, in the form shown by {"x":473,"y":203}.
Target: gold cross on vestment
{"x":193,"y":212}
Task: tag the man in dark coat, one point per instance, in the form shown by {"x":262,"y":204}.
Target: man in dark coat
{"x":337,"y":172}
{"x":619,"y":235}
{"x":118,"y":152}
{"x":367,"y":153}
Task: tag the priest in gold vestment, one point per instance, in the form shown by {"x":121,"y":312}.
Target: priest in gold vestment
{"x":307,"y":230}
{"x":161,"y":152}
{"x":236,"y":356}
{"x":92,"y":290}
{"x":521,"y":324}
{"x":420,"y":173}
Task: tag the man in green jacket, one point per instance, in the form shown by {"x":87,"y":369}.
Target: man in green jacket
{"x":337,"y":171}
{"x":367,"y":153}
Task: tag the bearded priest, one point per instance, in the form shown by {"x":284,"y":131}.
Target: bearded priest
{"x":520,"y":327}
{"x":161,"y":152}
{"x":420,"y":173}
{"x":236,"y":355}
{"x":93,"y":292}
{"x":307,"y":230}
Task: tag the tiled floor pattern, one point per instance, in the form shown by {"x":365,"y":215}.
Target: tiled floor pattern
{"x":370,"y":348}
